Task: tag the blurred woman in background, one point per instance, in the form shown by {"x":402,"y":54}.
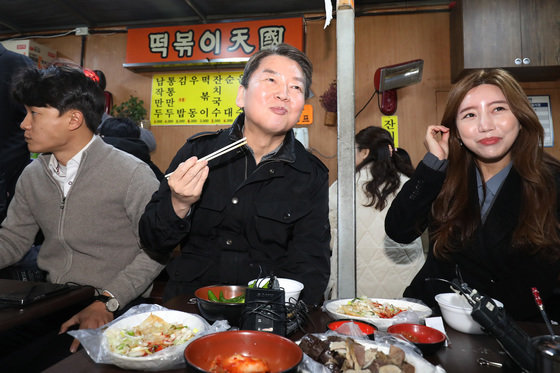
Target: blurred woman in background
{"x":383,"y":267}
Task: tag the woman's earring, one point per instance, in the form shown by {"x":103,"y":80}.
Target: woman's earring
{"x":460,"y":142}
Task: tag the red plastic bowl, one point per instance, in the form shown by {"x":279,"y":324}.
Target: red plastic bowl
{"x":281,"y":354}
{"x":427,"y":339}
{"x":366,"y":328}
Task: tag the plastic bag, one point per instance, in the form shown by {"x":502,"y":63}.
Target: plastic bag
{"x":94,"y":341}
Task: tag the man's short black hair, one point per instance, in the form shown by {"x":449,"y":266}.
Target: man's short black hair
{"x":62,"y":88}
{"x":102,"y":80}
{"x":285,"y":50}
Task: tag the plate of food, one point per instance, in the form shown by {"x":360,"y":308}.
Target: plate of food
{"x":334,"y":352}
{"x":380,"y":312}
{"x":145,"y":340}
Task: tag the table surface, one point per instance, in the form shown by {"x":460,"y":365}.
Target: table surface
{"x":11,"y":316}
{"x":460,"y":356}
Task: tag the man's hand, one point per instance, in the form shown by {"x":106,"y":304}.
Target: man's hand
{"x":91,"y":317}
{"x":437,"y":141}
{"x":186,"y":184}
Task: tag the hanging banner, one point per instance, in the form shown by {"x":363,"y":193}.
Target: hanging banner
{"x":306,"y":117}
{"x":391,"y":124}
{"x":209,"y":43}
{"x":195,"y":98}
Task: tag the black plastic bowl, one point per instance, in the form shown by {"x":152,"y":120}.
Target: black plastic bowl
{"x":281,"y":354}
{"x":213,"y":311}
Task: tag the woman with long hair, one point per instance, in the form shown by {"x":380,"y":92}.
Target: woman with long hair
{"x":383,"y":267}
{"x":488,"y":193}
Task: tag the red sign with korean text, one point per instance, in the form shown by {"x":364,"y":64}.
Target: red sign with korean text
{"x":217,"y":42}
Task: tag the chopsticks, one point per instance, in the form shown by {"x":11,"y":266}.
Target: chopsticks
{"x":225,"y":149}
{"x":220,"y":152}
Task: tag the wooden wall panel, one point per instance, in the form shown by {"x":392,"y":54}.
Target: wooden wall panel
{"x":320,"y":46}
{"x":380,"y":40}
{"x":383,"y":40}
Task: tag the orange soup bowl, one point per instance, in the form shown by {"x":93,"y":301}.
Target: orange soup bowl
{"x":281,"y":354}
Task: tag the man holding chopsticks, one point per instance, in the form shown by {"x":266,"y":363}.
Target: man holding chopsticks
{"x":252,"y":209}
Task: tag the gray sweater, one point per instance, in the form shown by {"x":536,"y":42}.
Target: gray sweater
{"x":91,"y":236}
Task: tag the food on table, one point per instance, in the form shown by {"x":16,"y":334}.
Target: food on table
{"x":340,"y":354}
{"x":365,"y":307}
{"x":238,"y":363}
{"x":411,"y":337}
{"x":222,"y":299}
{"x":152,"y":335}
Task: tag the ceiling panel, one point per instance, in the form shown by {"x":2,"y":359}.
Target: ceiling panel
{"x":40,"y":16}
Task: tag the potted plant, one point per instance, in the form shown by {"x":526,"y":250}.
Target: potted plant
{"x":328,"y":101}
{"x":132,"y":108}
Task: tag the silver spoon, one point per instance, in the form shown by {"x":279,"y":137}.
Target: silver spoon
{"x":486,"y":363}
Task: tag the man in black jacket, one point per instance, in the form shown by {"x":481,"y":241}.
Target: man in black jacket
{"x":259,"y":210}
{"x":14,"y":155}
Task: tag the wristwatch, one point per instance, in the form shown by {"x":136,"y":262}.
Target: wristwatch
{"x":111,"y":303}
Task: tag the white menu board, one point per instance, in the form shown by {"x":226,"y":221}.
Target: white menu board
{"x":541,"y":105}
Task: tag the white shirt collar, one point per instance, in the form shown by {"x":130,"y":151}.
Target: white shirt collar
{"x":65,"y":175}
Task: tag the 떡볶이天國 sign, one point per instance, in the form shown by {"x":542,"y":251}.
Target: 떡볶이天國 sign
{"x":229,"y":42}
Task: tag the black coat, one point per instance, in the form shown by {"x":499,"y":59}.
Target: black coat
{"x":272,"y":216}
{"x":14,"y":155}
{"x":488,"y":263}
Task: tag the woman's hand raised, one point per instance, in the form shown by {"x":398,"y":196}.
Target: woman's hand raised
{"x":437,"y":141}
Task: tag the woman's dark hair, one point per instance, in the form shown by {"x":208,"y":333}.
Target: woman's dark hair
{"x":457,"y":216}
{"x":403,"y":154}
{"x":285,"y":50}
{"x":385,"y":165}
{"x":62,"y":88}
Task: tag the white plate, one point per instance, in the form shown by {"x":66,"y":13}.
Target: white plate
{"x":170,"y":353}
{"x":420,"y":364}
{"x":419,"y":310}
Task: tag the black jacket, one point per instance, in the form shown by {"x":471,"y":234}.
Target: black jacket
{"x":272,"y":216}
{"x":488,"y":263}
{"x":14,"y":155}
